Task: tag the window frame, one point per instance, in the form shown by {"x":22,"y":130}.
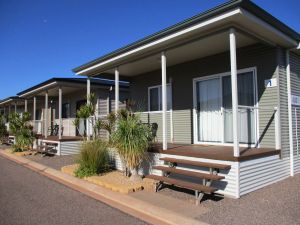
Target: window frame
{"x":68,"y":112}
{"x":159,"y":97}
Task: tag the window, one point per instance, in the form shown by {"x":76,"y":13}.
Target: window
{"x":154,"y":98}
{"x":65,"y":110}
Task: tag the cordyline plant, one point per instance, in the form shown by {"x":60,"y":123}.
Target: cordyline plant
{"x":3,"y":129}
{"x":87,"y":113}
{"x":108,"y":124}
{"x":131,"y":139}
{"x":19,"y":126}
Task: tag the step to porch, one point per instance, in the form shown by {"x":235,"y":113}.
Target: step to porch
{"x":206,"y":178}
{"x":189,"y":173}
{"x":196,"y":163}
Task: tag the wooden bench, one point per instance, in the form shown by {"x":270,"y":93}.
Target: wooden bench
{"x":200,"y":189}
{"x":183,"y":184}
{"x":189,"y":173}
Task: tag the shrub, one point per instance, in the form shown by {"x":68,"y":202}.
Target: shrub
{"x":132,"y":140}
{"x":3,"y":130}
{"x":20,"y":127}
{"x":93,"y":158}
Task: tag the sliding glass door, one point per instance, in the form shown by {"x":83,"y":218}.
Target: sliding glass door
{"x":214,"y":109}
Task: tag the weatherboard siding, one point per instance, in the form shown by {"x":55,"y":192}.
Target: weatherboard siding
{"x":258,"y":173}
{"x":70,"y":147}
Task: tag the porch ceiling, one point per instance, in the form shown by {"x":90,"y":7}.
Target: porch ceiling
{"x":202,"y":47}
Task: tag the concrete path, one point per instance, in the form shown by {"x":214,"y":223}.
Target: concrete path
{"x":26,"y":197}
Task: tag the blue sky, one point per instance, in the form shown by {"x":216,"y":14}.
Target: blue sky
{"x":41,"y":39}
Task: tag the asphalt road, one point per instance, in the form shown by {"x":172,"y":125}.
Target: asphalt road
{"x":29,"y":198}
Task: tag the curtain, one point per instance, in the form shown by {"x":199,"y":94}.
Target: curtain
{"x":209,"y":113}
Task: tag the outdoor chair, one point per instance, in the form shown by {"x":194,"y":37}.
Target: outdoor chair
{"x":154,"y":128}
{"x":45,"y":150}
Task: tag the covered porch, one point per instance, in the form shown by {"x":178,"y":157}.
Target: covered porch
{"x":210,"y":91}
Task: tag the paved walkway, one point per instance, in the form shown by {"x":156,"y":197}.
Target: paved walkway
{"x":29,"y":198}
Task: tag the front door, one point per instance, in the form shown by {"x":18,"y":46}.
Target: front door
{"x":213,"y":106}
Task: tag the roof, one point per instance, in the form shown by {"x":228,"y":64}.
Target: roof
{"x":9,"y":99}
{"x":245,"y":4}
{"x":94,"y":81}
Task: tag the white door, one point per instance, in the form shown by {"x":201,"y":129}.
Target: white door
{"x":209,"y":118}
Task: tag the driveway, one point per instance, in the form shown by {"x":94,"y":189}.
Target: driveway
{"x":29,"y":198}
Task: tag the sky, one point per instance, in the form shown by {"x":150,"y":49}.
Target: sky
{"x":41,"y":39}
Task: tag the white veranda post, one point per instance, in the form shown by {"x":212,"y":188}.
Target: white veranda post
{"x":88,"y":94}
{"x":25,"y":107}
{"x":117,"y":93}
{"x":234,"y":88}
{"x":291,"y":141}
{"x":34,"y":114}
{"x":164,"y":99}
{"x":46,"y":115}
{"x":60,"y":112}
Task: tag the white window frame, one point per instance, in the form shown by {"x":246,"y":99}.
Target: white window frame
{"x":159,"y":98}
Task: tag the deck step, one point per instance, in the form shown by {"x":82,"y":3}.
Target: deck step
{"x":189,"y":173}
{"x":196,"y":163}
{"x":183,"y":184}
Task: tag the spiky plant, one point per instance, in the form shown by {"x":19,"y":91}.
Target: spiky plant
{"x":131,"y":139}
{"x":108,"y":124}
{"x":20,"y":127}
{"x":86,"y":112}
{"x":3,"y":129}
{"x":93,"y":158}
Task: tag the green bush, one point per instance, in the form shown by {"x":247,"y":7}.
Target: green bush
{"x":93,"y":158}
{"x":132,"y":140}
{"x":19,"y":126}
{"x":3,"y":130}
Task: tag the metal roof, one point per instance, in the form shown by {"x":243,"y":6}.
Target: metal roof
{"x":94,"y":81}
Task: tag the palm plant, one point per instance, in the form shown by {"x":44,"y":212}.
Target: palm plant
{"x":3,"y":130}
{"x":107,"y":124}
{"x":20,"y":127}
{"x":86,"y":112}
{"x":132,"y":140}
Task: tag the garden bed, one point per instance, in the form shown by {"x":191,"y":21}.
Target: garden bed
{"x":114,"y":180}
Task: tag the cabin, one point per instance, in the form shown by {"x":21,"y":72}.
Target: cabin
{"x":223,"y":89}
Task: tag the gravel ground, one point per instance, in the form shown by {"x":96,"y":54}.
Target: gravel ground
{"x":2,"y":147}
{"x":277,"y":204}
{"x":30,"y":198}
{"x":55,"y":162}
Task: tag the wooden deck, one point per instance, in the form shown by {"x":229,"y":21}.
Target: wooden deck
{"x":214,"y":151}
{"x":63,"y":139}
